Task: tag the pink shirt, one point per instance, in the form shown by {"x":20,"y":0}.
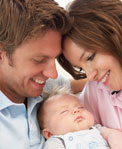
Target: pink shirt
{"x":106,"y":108}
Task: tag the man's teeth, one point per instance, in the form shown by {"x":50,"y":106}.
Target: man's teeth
{"x":39,"y":81}
{"x":107,"y":74}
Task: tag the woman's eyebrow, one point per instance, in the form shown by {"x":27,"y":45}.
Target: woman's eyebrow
{"x":82,"y":55}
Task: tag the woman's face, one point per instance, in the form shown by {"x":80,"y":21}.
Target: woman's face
{"x":98,"y":66}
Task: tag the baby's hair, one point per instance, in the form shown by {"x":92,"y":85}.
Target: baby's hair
{"x":56,"y":90}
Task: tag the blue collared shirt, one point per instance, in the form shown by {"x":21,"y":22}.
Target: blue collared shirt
{"x":19,"y":128}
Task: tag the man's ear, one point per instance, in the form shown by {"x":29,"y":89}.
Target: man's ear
{"x":46,"y":133}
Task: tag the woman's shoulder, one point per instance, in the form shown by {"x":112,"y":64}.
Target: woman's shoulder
{"x":96,"y":85}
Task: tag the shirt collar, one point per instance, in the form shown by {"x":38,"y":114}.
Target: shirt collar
{"x":103,"y":87}
{"x":4,"y":101}
{"x":32,"y":102}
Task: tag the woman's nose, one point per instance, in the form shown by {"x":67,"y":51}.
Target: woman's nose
{"x":92,"y":75}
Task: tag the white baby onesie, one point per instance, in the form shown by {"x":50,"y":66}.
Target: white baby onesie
{"x":84,"y":139}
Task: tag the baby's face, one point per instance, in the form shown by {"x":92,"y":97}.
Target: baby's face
{"x":65,"y":113}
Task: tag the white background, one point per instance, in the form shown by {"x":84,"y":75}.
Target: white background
{"x":61,"y":71}
{"x":63,"y":3}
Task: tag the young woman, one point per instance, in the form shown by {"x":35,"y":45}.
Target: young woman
{"x":94,"y":46}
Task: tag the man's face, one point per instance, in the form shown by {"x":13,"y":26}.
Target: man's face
{"x":32,"y":64}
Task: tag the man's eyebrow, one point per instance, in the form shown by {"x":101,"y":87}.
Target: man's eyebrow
{"x":48,"y":57}
{"x":42,"y":56}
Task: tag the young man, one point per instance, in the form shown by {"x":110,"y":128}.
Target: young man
{"x":30,"y":40}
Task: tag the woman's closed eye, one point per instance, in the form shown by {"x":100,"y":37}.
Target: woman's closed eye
{"x":91,"y":57}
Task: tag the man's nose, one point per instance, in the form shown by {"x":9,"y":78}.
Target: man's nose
{"x":50,"y":70}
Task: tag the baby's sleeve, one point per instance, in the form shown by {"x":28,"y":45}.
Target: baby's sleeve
{"x":54,"y":143}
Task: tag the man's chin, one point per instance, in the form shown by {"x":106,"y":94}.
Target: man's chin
{"x":34,"y":95}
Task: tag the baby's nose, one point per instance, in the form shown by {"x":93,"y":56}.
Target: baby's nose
{"x":75,"y":110}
